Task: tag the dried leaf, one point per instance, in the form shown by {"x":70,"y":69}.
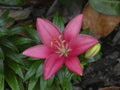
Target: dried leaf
{"x":100,"y":24}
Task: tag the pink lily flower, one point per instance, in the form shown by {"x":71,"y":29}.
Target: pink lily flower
{"x":60,"y":49}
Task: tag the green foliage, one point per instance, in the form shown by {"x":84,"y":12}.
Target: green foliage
{"x":58,"y":21}
{"x":12,"y":62}
{"x":109,"y":7}
{"x":23,"y":73}
{"x":66,"y":3}
{"x":12,"y":2}
{"x":4,"y":19}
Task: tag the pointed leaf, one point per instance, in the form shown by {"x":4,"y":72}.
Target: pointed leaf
{"x":39,"y":71}
{"x":15,"y":57}
{"x":2,"y":32}
{"x":32,"y":70}
{"x":58,"y":21}
{"x":16,"y":68}
{"x":13,"y":2}
{"x":32,"y":33}
{"x":32,"y":83}
{"x":5,"y":14}
{"x":4,"y":19}
{"x":11,"y":80}
{"x":14,"y":30}
{"x":20,"y":40}
{"x":1,"y":69}
{"x":9,"y":45}
{"x":1,"y":54}
{"x":50,"y":82}
{"x":43,"y":84}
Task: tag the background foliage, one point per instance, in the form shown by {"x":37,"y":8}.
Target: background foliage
{"x":109,"y":7}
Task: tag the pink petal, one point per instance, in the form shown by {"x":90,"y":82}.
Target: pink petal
{"x":52,"y":65}
{"x":38,"y":51}
{"x":74,"y":65}
{"x":46,"y":30}
{"x":73,"y":28}
{"x":81,"y":43}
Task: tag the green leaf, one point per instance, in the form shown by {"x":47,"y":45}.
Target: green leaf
{"x":21,"y":84}
{"x":32,"y":33}
{"x":39,"y":71}
{"x":12,"y":2}
{"x":5,"y":14}
{"x":32,"y":83}
{"x":14,"y":30}
{"x":15,"y":57}
{"x":20,"y":40}
{"x":2,"y":32}
{"x":32,"y":70}
{"x":4,"y":19}
{"x":86,"y":31}
{"x":16,"y":68}
{"x":58,"y":21}
{"x":67,"y":3}
{"x":50,"y":82}
{"x":1,"y":54}
{"x":9,"y":45}
{"x":1,"y":70}
{"x":11,"y":79}
{"x":109,"y":7}
{"x":43,"y":84}
{"x":1,"y":74}
{"x":65,"y":76}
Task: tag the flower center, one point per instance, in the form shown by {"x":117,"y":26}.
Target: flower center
{"x":60,"y":45}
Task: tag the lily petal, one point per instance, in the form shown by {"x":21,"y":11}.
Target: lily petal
{"x":46,"y":30}
{"x":38,"y":51}
{"x":73,"y":28}
{"x":81,"y":43}
{"x":74,"y":65}
{"x":52,"y":65}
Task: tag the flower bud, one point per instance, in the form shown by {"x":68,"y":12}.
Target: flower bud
{"x":92,"y":51}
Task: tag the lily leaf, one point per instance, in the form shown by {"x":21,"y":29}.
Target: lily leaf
{"x":11,"y":79}
{"x":32,"y":70}
{"x":32,"y":83}
{"x":43,"y":84}
{"x":8,"y":44}
{"x":18,"y":58}
{"x":39,"y":71}
{"x":12,"y":2}
{"x":16,"y":68}
{"x":109,"y":7}
{"x":58,"y":21}
{"x":32,"y":33}
{"x":1,"y":70}
{"x":20,"y":40}
{"x":4,"y":19}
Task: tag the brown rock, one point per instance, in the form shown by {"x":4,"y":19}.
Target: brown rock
{"x":101,"y":25}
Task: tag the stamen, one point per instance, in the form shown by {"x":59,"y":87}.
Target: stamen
{"x":60,"y":46}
